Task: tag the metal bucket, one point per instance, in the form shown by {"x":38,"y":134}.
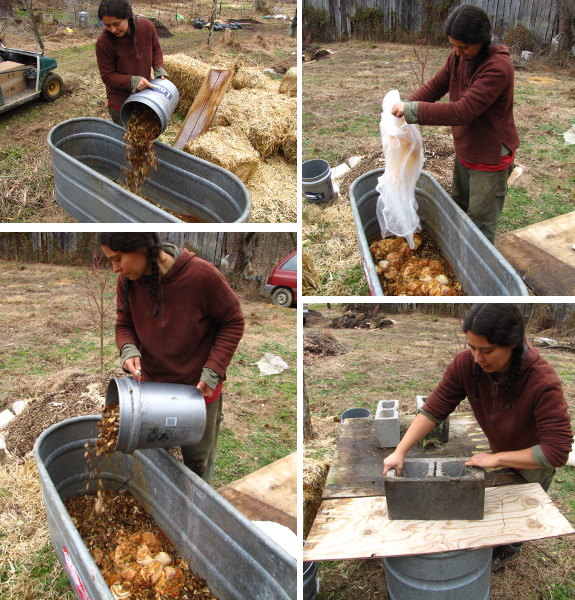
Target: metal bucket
{"x":163,"y":100}
{"x":83,"y":18}
{"x":237,"y":560}
{"x":479,"y":267}
{"x":459,"y":575}
{"x":355,"y":413}
{"x":316,"y":181}
{"x":156,"y":415}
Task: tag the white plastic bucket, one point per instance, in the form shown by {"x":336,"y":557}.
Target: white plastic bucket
{"x":163,"y":100}
{"x":316,"y":181}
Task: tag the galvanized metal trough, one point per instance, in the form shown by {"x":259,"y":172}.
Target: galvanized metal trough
{"x":479,"y":267}
{"x":237,"y":560}
{"x":88,"y":158}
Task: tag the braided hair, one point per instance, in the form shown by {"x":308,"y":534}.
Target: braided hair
{"x":131,"y":242}
{"x":120,"y":9}
{"x":502,"y":325}
{"x":471,"y":25}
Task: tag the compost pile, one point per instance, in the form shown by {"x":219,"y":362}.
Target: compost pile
{"x":108,"y":429}
{"x":422,"y":271}
{"x":135,"y":558}
{"x":141,"y":131}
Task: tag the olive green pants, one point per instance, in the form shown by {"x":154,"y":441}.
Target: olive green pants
{"x":481,"y":195}
{"x":115,"y":114}
{"x":201,"y":458}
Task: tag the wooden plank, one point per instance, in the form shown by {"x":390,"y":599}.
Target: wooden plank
{"x":274,"y":485}
{"x":360,"y":528}
{"x":204,"y":107}
{"x":357,"y":465}
{"x":543,"y":254}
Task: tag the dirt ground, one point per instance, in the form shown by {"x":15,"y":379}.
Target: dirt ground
{"x":262,"y":41}
{"x":399,"y":362}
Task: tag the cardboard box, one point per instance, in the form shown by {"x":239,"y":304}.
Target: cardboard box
{"x":11,"y":71}
{"x":13,"y":87}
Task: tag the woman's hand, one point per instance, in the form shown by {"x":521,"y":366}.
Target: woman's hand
{"x":144,"y":83}
{"x":393,"y":461}
{"x":134,"y":366}
{"x":397,"y":109}
{"x":205,"y":389}
{"x":483,"y":460}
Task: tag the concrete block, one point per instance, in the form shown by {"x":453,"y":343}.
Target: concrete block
{"x":432,"y":489}
{"x":441,"y":431}
{"x":19,"y":406}
{"x":387,"y":424}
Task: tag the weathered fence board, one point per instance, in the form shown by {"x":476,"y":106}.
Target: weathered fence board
{"x":539,"y":16}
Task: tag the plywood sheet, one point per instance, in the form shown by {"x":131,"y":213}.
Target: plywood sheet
{"x":543,"y":255}
{"x":268,"y":494}
{"x":357,"y":465}
{"x":359,"y":527}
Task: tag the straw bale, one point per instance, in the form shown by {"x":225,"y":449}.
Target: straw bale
{"x":187,"y":74}
{"x":288,"y":84}
{"x":265,"y":118}
{"x":289,"y":145}
{"x":273,"y":190}
{"x":227,"y":147}
{"x":249,"y":77}
{"x":314,"y":476}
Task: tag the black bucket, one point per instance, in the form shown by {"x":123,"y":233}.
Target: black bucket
{"x":310,"y":582}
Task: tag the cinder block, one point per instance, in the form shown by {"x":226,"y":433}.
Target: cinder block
{"x":431,"y":489}
{"x":441,"y":431}
{"x":387,"y":423}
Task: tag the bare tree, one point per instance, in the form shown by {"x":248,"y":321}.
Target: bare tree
{"x":566,"y":25}
{"x":307,"y":425}
{"x":98,"y":284}
{"x":212,"y":22}
{"x":6,"y":9}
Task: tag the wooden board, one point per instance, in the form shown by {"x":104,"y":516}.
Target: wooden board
{"x":269,"y":494}
{"x":357,"y":465}
{"x":204,"y":107}
{"x":543,"y":255}
{"x":359,"y":527}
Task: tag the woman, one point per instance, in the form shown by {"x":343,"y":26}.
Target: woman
{"x":479,"y":77}
{"x":178,"y":321}
{"x":126,"y":51}
{"x":515,"y":396}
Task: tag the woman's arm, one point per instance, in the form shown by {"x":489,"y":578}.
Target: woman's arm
{"x":420,"y":427}
{"x":518,"y":459}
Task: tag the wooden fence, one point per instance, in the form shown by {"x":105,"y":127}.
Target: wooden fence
{"x":541,"y":17}
{"x":264,"y":250}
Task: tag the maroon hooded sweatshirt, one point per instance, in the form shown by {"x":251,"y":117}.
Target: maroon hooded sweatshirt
{"x":200,"y":322}
{"x":117,"y":71}
{"x":480,"y":108}
{"x":538,"y":414}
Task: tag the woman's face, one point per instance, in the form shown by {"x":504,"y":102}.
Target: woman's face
{"x":467,"y":51}
{"x":491,"y":358}
{"x":117,"y":27}
{"x":130,"y":264}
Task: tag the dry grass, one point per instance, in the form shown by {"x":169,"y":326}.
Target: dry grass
{"x":332,"y":253}
{"x":273,"y":189}
{"x":227,"y":147}
{"x":288,"y":84}
{"x":266,"y":118}
{"x":187,"y":74}
{"x":24,"y":533}
{"x":314,"y":476}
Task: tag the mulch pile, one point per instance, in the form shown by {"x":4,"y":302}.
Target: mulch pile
{"x":64,"y":395}
{"x":360,"y":321}
{"x":318,"y":343}
{"x":161,"y":29}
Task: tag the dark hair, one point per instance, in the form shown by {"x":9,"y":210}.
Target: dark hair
{"x":502,"y":325}
{"x":470,"y":25}
{"x":131,"y":242}
{"x":120,"y":9}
